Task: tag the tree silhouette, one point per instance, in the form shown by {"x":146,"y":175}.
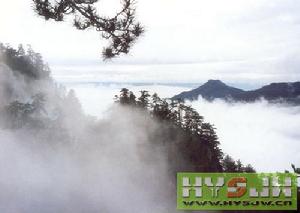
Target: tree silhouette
{"x":28,"y":63}
{"x":210,"y":138}
{"x":124,"y":96}
{"x":122,"y":30}
{"x":143,"y":100}
{"x":132,"y":98}
{"x":18,"y":114}
{"x":38,"y":103}
{"x":160,"y":108}
{"x":229,"y":165}
{"x":192,"y":121}
{"x":155,"y":106}
{"x":194,"y":140}
{"x":21,"y":51}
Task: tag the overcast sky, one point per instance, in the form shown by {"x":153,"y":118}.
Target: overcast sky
{"x":235,"y":40}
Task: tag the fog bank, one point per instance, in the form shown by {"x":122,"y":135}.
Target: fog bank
{"x":53,"y":158}
{"x":111,"y":168}
{"x":265,"y":135}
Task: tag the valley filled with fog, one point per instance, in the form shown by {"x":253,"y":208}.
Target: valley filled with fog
{"x":92,"y":117}
{"x":265,"y":135}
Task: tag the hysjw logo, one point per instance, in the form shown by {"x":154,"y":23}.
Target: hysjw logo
{"x":237,"y":191}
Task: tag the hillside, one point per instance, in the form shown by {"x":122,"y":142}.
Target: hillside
{"x":275,"y":92}
{"x":210,"y":90}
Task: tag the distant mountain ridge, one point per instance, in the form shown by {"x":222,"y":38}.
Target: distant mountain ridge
{"x":212,"y":89}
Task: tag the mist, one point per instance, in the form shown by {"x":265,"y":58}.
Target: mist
{"x":263,"y":134}
{"x":70,"y":162}
{"x":96,"y":99}
{"x":92,"y":155}
{"x":108,"y":170}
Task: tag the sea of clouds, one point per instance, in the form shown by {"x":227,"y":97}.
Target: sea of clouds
{"x":110,"y":165}
{"x":262,"y":134}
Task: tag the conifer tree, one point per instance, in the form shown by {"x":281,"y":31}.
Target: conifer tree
{"x":132,"y":99}
{"x":165,"y":112}
{"x":229,"y":164}
{"x":180,"y":111}
{"x":239,"y":166}
{"x":143,"y":100}
{"x":210,"y":138}
{"x":18,"y":114}
{"x":187,"y":118}
{"x":124,"y":96}
{"x":21,"y":51}
{"x":155,"y":105}
{"x":196,"y":122}
{"x":38,"y":103}
{"x":174,"y":112}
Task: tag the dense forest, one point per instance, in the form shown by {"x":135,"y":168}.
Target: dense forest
{"x":141,"y":131}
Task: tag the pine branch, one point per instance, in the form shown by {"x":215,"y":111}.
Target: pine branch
{"x":121,"y":31}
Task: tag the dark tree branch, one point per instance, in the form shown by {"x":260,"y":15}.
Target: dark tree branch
{"x":122,"y":30}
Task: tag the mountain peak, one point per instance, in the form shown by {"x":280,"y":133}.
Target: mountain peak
{"x":210,"y":90}
{"x":215,"y":83}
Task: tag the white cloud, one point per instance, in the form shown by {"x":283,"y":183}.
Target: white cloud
{"x":247,"y":74}
{"x":235,"y":40}
{"x":265,"y":135}
{"x":177,"y":30}
{"x":97,"y":98}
